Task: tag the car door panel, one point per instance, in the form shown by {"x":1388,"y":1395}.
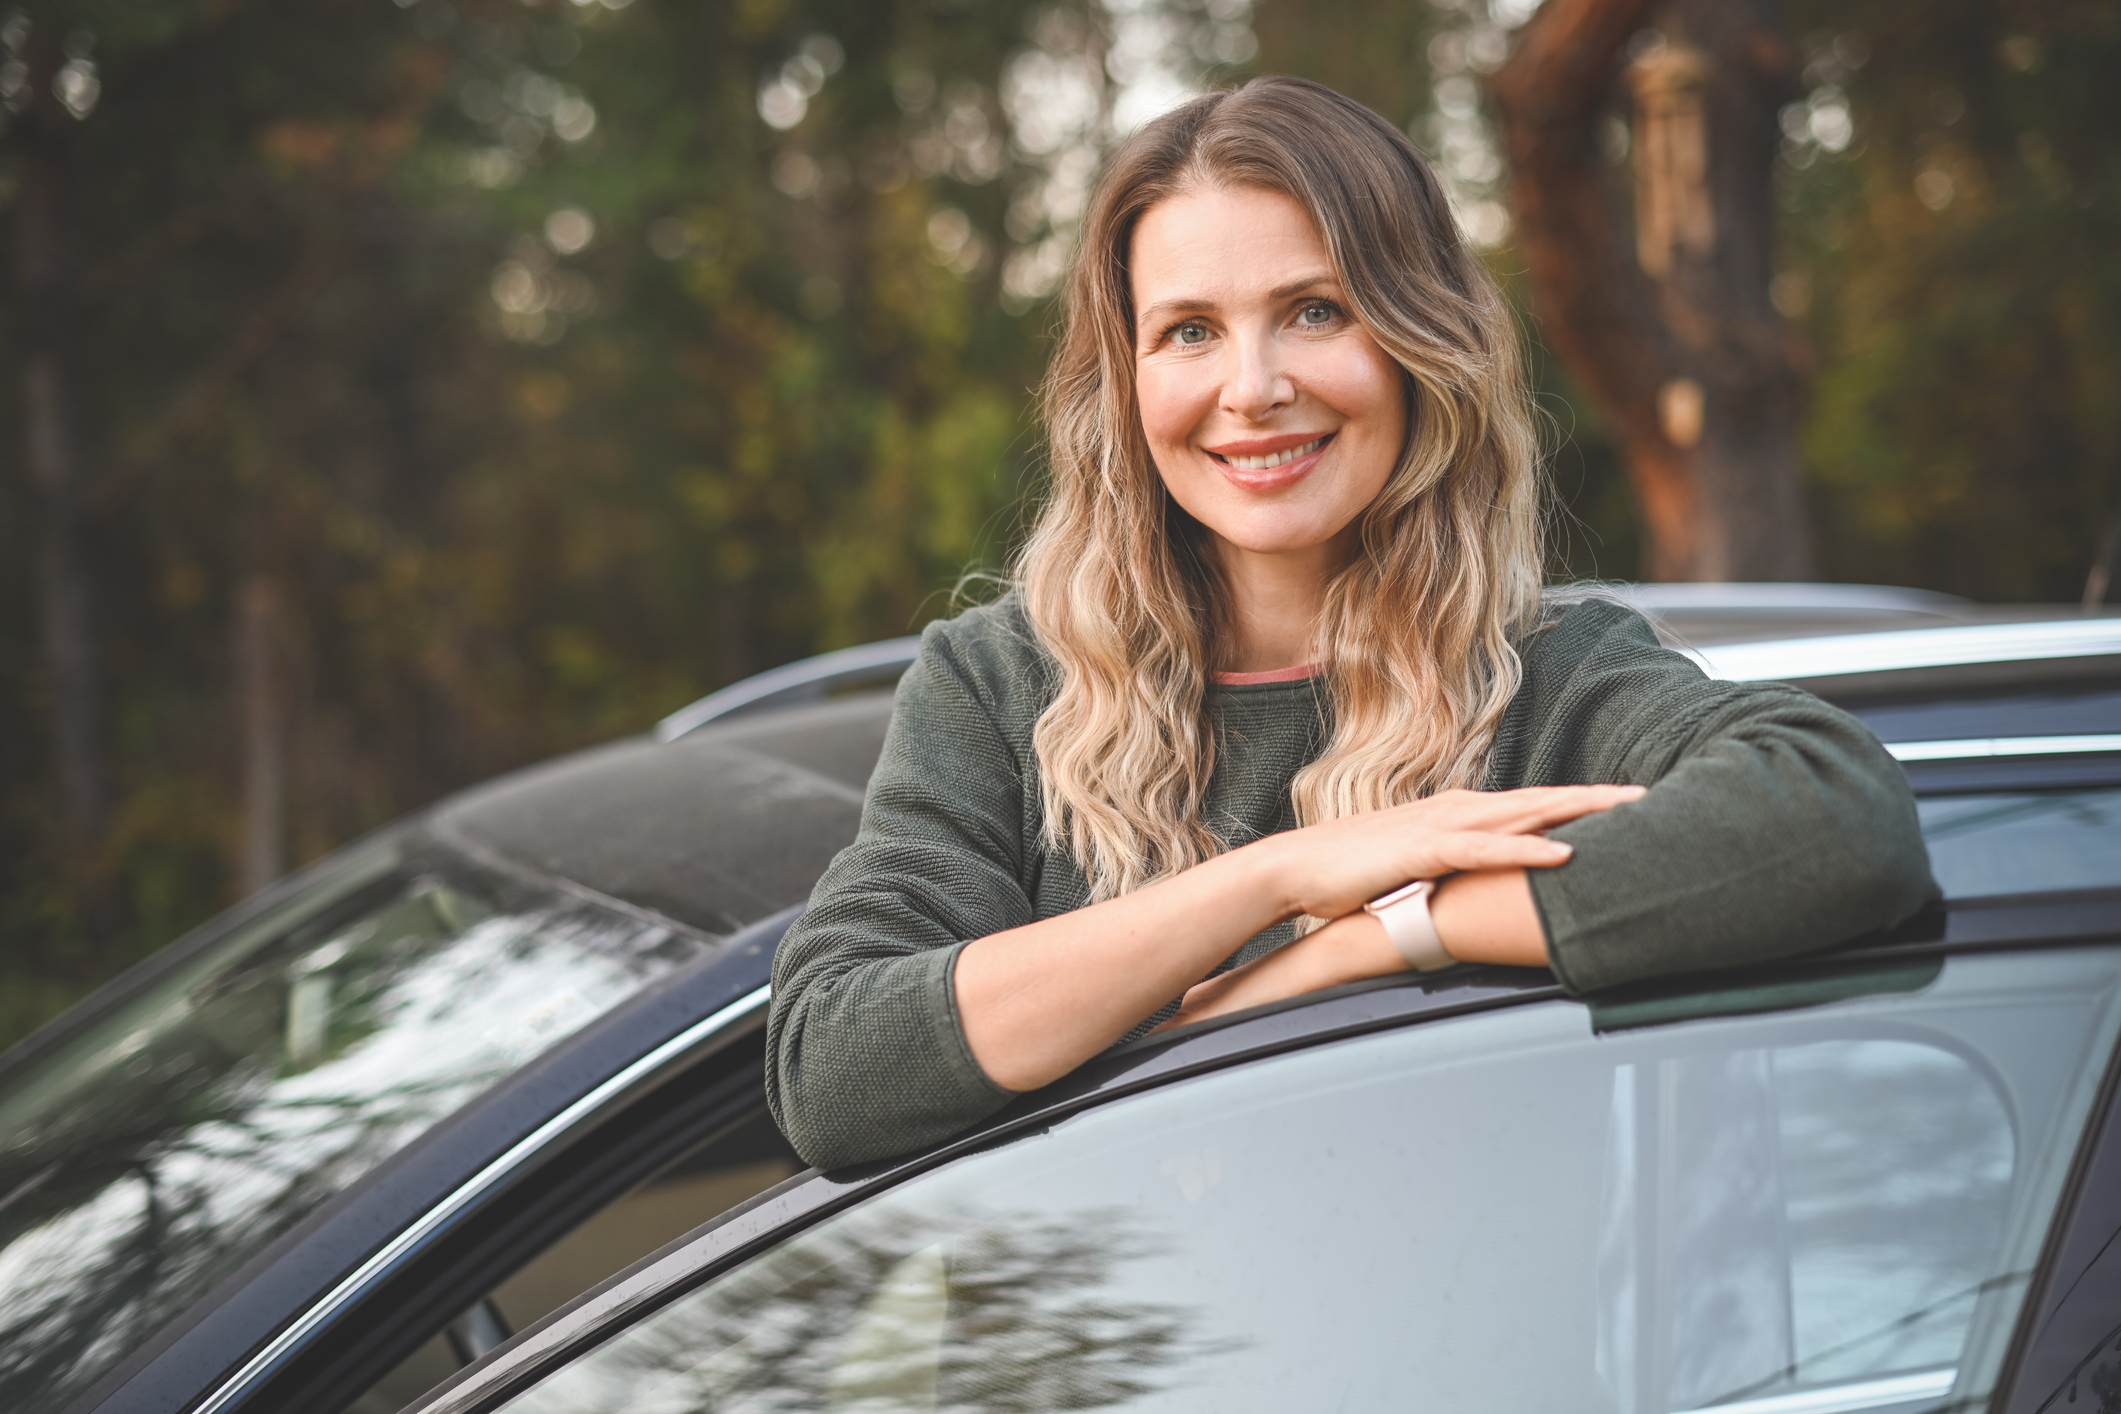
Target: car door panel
{"x":1486,"y":1179}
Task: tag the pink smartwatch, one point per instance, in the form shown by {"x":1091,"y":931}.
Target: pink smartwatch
{"x":1405,"y":914}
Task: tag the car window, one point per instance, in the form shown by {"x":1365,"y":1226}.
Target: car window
{"x":2023,"y":842}
{"x":1832,"y":1208}
{"x":176,"y":1135}
{"x":714,"y":1176}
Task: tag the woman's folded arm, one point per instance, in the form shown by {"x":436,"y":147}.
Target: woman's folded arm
{"x":1775,"y":823}
{"x":865,"y":1054}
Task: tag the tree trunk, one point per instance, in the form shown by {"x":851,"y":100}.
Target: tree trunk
{"x":261,"y":692}
{"x":44,"y":284}
{"x":1664,"y":318}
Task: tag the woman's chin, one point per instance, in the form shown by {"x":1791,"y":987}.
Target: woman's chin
{"x":1301,"y":539}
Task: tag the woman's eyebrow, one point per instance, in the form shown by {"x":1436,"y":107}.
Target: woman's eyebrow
{"x":1297,"y":287}
{"x":1164,"y":309}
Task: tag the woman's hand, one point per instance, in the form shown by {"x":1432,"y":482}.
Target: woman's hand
{"x":1334,"y":868}
{"x":1039,"y":1000}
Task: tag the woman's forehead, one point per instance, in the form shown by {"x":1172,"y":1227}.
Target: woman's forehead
{"x":1216,"y":245}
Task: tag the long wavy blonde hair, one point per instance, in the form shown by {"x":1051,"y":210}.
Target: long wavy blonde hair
{"x":1120,"y":584}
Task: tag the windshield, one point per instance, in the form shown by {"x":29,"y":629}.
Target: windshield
{"x":174,"y":1137}
{"x":2021,"y":842}
{"x":1827,"y":1209}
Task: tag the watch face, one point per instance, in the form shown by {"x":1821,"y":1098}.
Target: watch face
{"x":1400,"y":895}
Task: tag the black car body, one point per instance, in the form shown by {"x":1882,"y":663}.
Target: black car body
{"x":337,"y":1144}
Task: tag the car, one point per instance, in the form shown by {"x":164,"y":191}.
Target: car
{"x":469,"y":1116}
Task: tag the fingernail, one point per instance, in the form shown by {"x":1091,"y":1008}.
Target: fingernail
{"x":1560,"y":847}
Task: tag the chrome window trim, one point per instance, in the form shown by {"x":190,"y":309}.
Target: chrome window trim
{"x":1972,"y":748}
{"x":1760,"y":597}
{"x":1839,"y":655}
{"x":1845,"y":1399}
{"x":471,"y":1191}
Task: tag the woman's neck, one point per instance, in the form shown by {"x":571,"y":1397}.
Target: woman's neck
{"x":1271,"y":618}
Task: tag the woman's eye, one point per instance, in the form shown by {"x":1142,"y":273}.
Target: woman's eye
{"x":1190,"y":333}
{"x":1315,"y":314}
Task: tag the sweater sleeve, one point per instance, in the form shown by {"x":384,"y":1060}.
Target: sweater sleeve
{"x":865,"y":1053}
{"x":1774,"y":824}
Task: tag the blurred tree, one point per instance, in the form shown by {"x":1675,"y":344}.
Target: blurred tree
{"x":1665,"y":318}
{"x":457,"y":383}
{"x":1951,"y":213}
{"x":43,"y":293}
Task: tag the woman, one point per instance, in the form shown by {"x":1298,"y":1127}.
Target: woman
{"x":1278,"y":620}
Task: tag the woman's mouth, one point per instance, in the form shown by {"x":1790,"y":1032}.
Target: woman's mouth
{"x":1272,"y":459}
{"x":1270,"y":463}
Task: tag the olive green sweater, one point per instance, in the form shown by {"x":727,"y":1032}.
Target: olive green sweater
{"x":1775,"y":824}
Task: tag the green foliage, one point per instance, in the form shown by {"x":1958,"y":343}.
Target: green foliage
{"x":1956,"y":269}
{"x":546,"y":384}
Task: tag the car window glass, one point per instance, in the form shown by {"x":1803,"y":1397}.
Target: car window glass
{"x":1831,"y":1208}
{"x":715,"y":1176}
{"x":2023,"y":842}
{"x":176,"y":1135}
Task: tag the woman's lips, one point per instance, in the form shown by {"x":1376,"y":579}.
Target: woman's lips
{"x":1266,"y":466}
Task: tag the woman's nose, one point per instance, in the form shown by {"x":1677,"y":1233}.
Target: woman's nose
{"x":1255,"y":382}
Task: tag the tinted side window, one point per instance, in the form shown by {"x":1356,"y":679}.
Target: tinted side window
{"x":1835,"y":1207}
{"x":2021,"y":842}
{"x":715,"y":1175}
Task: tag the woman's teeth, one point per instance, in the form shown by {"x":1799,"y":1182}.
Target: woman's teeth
{"x":1269,"y":462}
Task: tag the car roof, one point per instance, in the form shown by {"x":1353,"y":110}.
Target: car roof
{"x":715,"y":830}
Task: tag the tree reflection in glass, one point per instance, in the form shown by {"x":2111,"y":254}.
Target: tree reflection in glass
{"x":153,"y":1154}
{"x":893,"y":1311}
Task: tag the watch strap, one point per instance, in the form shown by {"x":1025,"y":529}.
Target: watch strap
{"x":1405,"y":914}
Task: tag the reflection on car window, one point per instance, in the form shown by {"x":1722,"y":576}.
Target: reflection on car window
{"x":2024,"y":842}
{"x":1832,"y":1208}
{"x":716,"y":1175}
{"x":158,"y":1150}
{"x":1756,"y":1224}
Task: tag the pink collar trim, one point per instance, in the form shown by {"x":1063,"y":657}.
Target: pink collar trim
{"x":1296,"y":674}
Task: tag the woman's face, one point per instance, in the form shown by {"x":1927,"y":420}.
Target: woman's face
{"x":1274,"y":417}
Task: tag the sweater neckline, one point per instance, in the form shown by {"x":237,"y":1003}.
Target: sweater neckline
{"x":1295,"y":674}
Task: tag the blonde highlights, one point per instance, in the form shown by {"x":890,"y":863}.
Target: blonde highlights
{"x":1416,"y":632}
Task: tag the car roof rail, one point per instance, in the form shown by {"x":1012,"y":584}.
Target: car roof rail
{"x":1780,"y":598}
{"x":872,"y":665}
{"x":1905,"y":650}
{"x":879,"y":665}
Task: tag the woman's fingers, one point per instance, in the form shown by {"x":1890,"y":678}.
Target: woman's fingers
{"x":1334,"y":867}
{"x":1534,"y":808}
{"x":1342,"y":880}
{"x":1447,"y":852}
{"x":1567,"y":803}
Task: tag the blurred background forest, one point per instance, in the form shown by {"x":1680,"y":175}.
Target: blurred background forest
{"x":398,"y":391}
